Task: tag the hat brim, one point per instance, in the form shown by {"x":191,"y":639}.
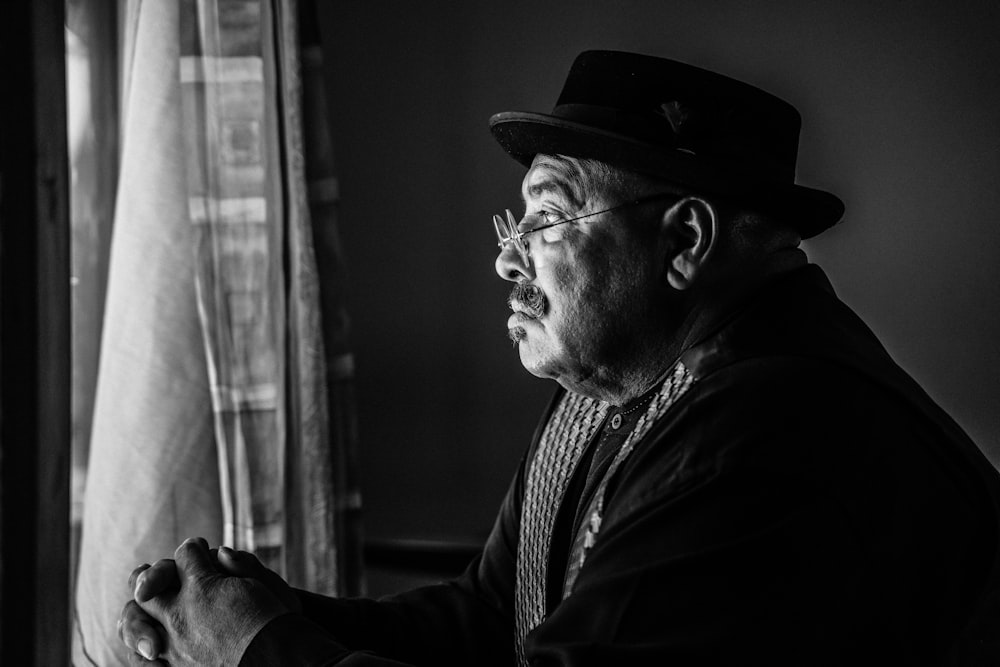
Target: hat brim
{"x":523,"y":135}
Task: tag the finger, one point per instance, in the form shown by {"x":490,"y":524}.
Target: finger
{"x":246,"y":564}
{"x":138,"y":631}
{"x":156,"y":579}
{"x":241,"y":563}
{"x":193,"y":559}
{"x":132,"y":578}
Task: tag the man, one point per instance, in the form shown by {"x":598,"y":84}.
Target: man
{"x":733,"y":472}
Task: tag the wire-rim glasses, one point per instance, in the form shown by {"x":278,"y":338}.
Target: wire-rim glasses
{"x":508,"y":235}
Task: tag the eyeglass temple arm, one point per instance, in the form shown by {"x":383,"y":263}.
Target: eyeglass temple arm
{"x":513,"y":235}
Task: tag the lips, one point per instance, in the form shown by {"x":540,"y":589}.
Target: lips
{"x":522,"y":311}
{"x":517,"y":319}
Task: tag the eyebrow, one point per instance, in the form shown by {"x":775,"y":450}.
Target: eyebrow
{"x":552,"y":186}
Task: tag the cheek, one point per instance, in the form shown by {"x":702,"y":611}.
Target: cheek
{"x":578,"y":307}
{"x":589,"y":288}
{"x":596,"y":301}
{"x":569,"y":286}
{"x":583,"y":281}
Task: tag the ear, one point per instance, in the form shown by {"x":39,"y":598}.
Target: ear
{"x":690,"y":228}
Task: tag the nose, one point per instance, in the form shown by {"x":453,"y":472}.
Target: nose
{"x":512,"y":266}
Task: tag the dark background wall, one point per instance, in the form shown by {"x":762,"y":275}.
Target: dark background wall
{"x":900,"y":103}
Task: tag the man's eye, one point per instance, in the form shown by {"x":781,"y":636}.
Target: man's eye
{"x":540,"y":218}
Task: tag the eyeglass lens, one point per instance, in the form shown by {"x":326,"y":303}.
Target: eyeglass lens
{"x":507,"y":230}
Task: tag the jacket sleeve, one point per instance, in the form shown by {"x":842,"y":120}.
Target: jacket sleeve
{"x":467,"y":621}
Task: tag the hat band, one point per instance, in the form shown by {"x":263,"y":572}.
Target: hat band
{"x":647,"y":128}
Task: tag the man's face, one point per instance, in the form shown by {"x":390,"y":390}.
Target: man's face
{"x":586,"y":289}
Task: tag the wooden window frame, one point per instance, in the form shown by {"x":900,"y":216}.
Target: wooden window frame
{"x":34,"y":337}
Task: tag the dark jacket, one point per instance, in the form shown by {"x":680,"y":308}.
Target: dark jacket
{"x":804,"y":503}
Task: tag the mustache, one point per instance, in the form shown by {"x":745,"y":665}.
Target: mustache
{"x":528,"y":299}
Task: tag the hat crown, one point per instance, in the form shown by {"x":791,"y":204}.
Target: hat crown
{"x":682,"y":107}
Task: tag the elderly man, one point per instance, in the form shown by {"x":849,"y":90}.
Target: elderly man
{"x":733,"y":471}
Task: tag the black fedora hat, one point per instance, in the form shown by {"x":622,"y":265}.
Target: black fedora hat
{"x":687,"y":125}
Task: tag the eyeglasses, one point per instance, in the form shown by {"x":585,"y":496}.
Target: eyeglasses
{"x":508,"y":235}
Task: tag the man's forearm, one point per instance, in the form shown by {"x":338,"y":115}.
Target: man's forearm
{"x":295,"y":641}
{"x":442,"y":624}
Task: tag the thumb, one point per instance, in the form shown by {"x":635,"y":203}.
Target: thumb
{"x":193,"y":560}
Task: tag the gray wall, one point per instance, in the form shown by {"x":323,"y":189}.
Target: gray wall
{"x":900,"y":103}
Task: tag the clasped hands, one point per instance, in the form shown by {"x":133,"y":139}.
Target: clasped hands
{"x":203,"y":607}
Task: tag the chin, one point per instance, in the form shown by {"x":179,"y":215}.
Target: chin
{"x":530,"y":362}
{"x":537,"y":362}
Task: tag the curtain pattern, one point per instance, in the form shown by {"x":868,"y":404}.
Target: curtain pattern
{"x":234,"y":196}
{"x":213,"y":415}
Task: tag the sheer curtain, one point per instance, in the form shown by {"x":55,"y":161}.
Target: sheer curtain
{"x":220,"y":408}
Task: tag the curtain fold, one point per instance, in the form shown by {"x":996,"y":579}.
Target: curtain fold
{"x":321,"y":482}
{"x":328,"y":464}
{"x":212,"y":413}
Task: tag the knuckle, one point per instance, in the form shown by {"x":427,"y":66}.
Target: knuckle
{"x":184,"y":547}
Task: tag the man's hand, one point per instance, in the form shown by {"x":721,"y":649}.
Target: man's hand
{"x":137,"y":629}
{"x":245,"y":564}
{"x":143,"y":633}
